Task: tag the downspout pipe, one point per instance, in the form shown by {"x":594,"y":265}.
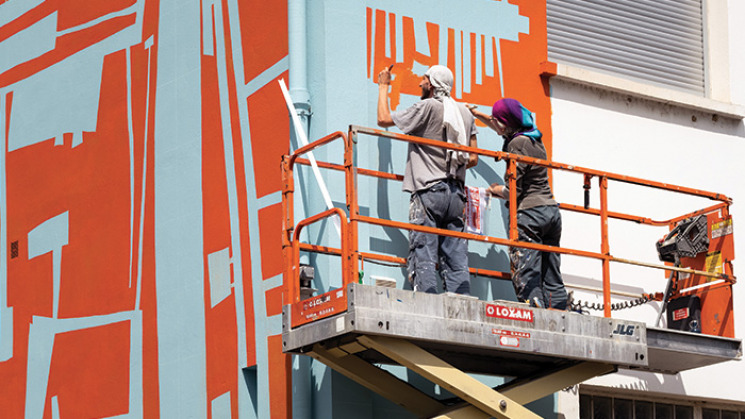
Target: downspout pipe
{"x":298,"y":73}
{"x":297,"y":33}
{"x":298,"y":58}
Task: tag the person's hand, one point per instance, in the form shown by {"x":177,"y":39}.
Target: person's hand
{"x":384,"y":77}
{"x":496,"y":189}
{"x":478,"y":114}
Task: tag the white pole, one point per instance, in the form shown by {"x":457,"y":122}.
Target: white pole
{"x":300,"y":133}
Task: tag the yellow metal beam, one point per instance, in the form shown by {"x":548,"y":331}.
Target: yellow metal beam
{"x":448,"y":377}
{"x":379,"y":381}
{"x":534,"y":389}
{"x":528,"y":391}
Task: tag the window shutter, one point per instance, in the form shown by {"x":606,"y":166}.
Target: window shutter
{"x":654,"y":41}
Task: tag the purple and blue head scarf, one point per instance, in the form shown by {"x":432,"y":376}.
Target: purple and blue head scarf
{"x":511,"y":113}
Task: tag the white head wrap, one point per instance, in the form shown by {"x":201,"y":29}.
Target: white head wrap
{"x":441,"y":79}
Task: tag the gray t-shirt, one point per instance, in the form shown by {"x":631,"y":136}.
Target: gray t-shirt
{"x":533,"y":189}
{"x":427,"y":165}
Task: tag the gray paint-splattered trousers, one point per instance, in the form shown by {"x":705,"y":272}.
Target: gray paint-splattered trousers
{"x":535,"y":274}
{"x":442,"y":205}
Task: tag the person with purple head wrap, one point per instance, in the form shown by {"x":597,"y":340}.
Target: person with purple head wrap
{"x":535,"y":274}
{"x":435,"y":178}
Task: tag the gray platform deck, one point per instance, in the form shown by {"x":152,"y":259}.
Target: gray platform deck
{"x":505,"y":338}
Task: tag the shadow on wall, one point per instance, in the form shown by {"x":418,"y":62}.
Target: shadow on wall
{"x":646,"y":381}
{"x":482,"y":256}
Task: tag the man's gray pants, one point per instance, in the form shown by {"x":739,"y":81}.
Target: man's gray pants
{"x":443,"y":206}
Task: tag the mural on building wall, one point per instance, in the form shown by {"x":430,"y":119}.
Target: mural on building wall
{"x":89,"y":325}
{"x":494,"y":53}
{"x":80,"y":312}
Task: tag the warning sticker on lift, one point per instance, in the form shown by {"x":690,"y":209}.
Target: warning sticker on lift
{"x":713,"y":262}
{"x":680,"y":314}
{"x":509,"y":341}
{"x":721,"y":228}
{"x":318,"y":307}
{"x":515,"y":333}
{"x":510,"y":313}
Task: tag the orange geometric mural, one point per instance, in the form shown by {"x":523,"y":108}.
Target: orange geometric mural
{"x":141,"y":268}
{"x":491,"y":60}
{"x":81,"y":335}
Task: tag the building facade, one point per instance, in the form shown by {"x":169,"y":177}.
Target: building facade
{"x":140,"y":204}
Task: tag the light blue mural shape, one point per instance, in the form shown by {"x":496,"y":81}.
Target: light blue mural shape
{"x":63,"y":98}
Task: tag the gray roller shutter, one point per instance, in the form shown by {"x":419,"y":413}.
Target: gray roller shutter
{"x":654,"y":41}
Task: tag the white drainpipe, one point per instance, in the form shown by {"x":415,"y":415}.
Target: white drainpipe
{"x":298,"y":74}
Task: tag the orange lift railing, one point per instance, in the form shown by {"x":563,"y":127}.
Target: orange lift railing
{"x":693,"y":275}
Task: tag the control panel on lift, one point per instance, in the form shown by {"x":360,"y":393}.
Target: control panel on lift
{"x":695,"y":302}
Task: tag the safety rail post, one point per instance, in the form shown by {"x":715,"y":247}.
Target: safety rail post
{"x":512,"y":185}
{"x":604,"y":245}
{"x":350,"y":170}
{"x":288,"y":225}
{"x":587,"y":186}
{"x":294,"y":291}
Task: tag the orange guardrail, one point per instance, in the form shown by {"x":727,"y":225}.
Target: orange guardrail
{"x":353,"y":258}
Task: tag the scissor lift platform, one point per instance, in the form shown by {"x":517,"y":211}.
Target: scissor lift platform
{"x":443,"y":336}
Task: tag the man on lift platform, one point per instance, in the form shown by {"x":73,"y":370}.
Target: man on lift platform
{"x":435,"y":178}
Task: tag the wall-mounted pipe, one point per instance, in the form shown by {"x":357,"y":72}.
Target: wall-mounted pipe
{"x":298,"y":58}
{"x":298,"y":74}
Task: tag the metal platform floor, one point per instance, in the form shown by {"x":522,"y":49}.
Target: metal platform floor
{"x":418,"y":330}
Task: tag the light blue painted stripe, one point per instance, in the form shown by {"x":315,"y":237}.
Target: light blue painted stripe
{"x":221,"y":406}
{"x":55,"y":408}
{"x":273,"y":325}
{"x":262,"y":407}
{"x":458,"y":88}
{"x":11,"y":10}
{"x":387,"y":35}
{"x":135,"y":366}
{"x":479,"y":48}
{"x":231,"y":179}
{"x":467,"y":63}
{"x":141,"y":243}
{"x":179,"y":253}
{"x":489,"y":66}
{"x":399,"y":22}
{"x":371,"y":48}
{"x":6,"y":314}
{"x":259,"y":298}
{"x":135,"y":8}
{"x":29,"y":43}
{"x":269,"y":200}
{"x":273,"y":282}
{"x":208,"y":27}
{"x":265,"y":77}
{"x":50,"y":236}
{"x":130,"y":136}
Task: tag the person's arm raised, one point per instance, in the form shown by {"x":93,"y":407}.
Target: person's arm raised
{"x":473,"y":159}
{"x":384,"y":111}
{"x":484,"y":118}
